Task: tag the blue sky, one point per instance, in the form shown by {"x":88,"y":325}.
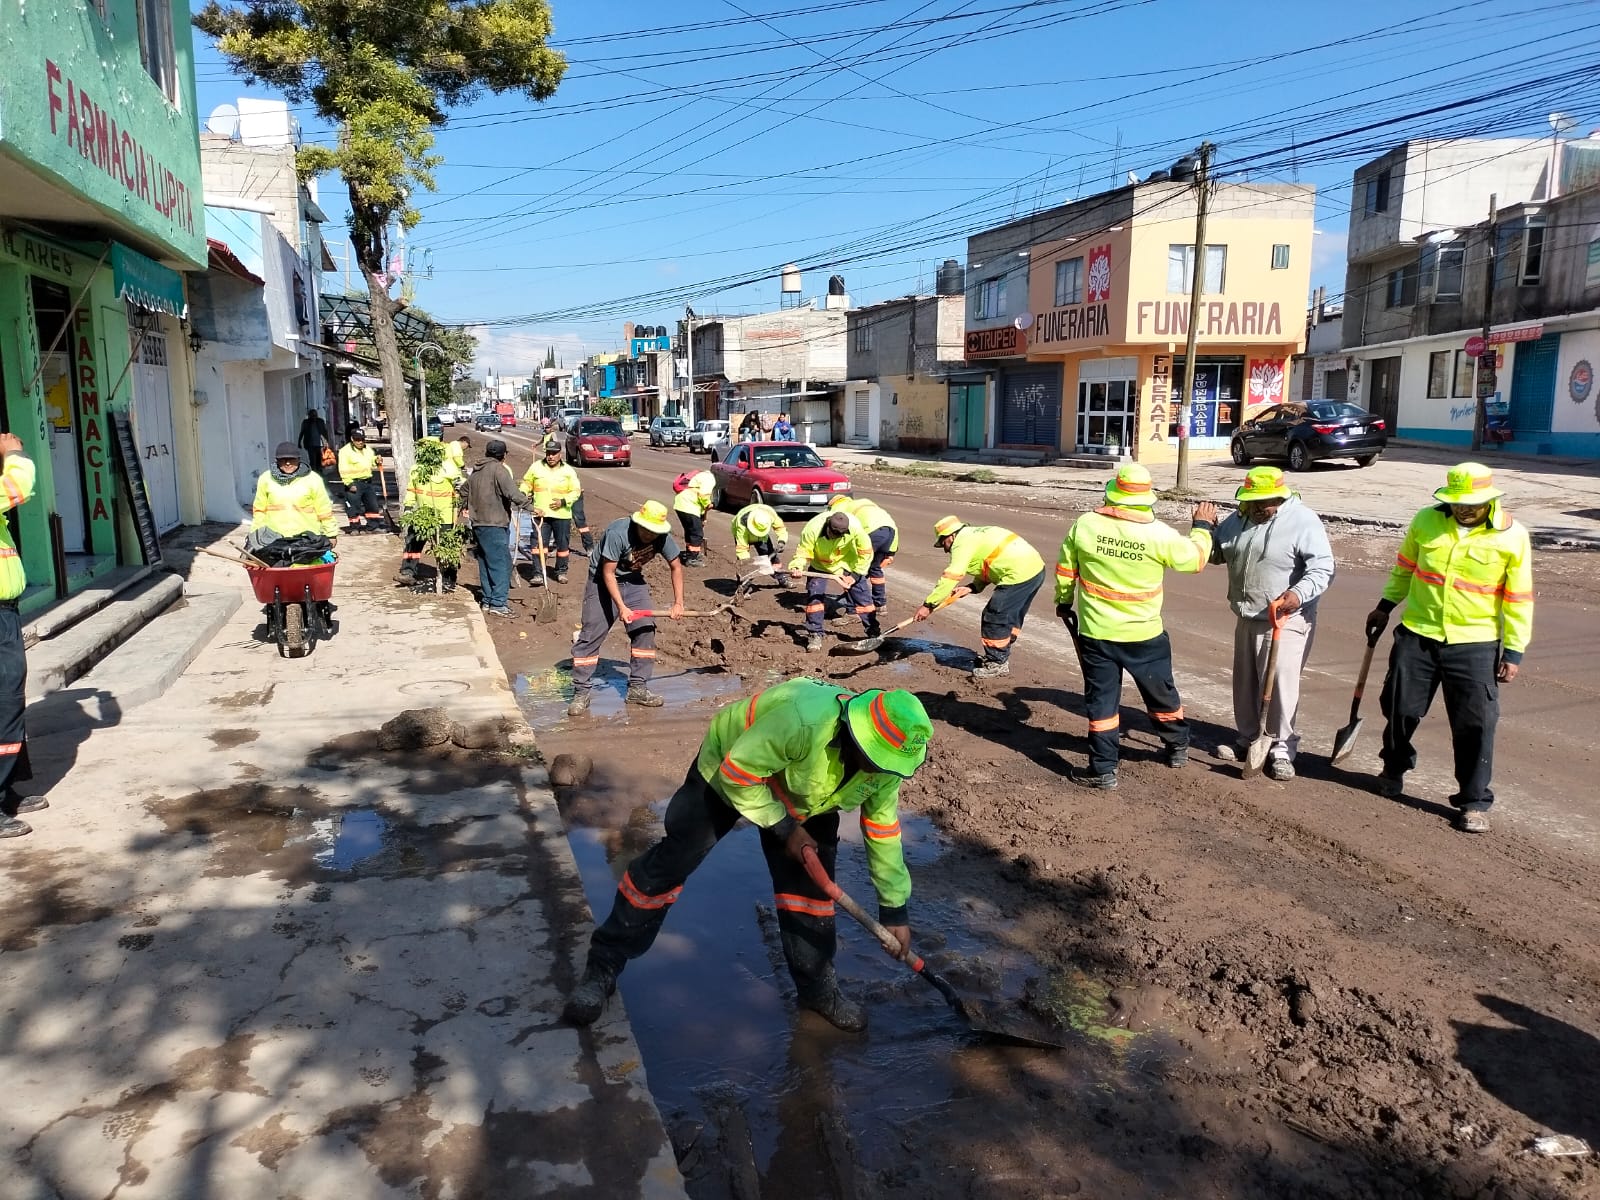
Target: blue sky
{"x":876,"y":134}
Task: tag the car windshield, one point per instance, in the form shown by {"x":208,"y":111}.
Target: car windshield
{"x":788,"y":456}
{"x":1336,"y":411}
{"x":671,"y":422}
{"x":599,"y":428}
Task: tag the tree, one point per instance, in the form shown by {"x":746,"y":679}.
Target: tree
{"x":386,"y":75}
{"x":550,"y":357}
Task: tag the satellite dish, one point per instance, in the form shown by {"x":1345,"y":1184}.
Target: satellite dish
{"x":224,"y":122}
{"x":1024,"y":321}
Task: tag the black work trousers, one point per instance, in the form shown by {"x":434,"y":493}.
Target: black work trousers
{"x":14,"y":767}
{"x":1150,"y":664}
{"x":362,"y":502}
{"x":1001,"y":623}
{"x":697,"y":819}
{"x":1418,"y":667}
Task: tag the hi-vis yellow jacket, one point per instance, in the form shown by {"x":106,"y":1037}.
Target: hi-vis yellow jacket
{"x":16,"y":488}
{"x":1115,"y":560}
{"x":298,"y":506}
{"x":1465,"y":587}
{"x":777,"y":754}
{"x":743,"y":539}
{"x":437,"y":491}
{"x":990,"y":555}
{"x":695,"y":499}
{"x":818,"y":552}
{"x":873,"y":516}
{"x":554,"y":489}
{"x":355,"y":465}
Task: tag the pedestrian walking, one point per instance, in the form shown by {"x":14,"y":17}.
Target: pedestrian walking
{"x":1465,"y":575}
{"x":616,"y":591}
{"x":834,"y":543}
{"x":435,"y":488}
{"x":290,"y":499}
{"x":17,"y":474}
{"x":555,"y":488}
{"x":316,"y":441}
{"x":758,"y":527}
{"x":692,"y":503}
{"x":358,"y":471}
{"x":987,"y":554}
{"x":790,"y":760}
{"x":1277,"y":553}
{"x":1113,"y":561}
{"x":491,"y":494}
{"x":884,"y":535}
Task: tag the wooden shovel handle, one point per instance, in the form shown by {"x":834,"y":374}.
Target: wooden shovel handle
{"x":1361,"y":679}
{"x":890,"y":943}
{"x":1272,"y":659}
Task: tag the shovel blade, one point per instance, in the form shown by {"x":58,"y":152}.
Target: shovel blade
{"x":1345,"y":740}
{"x":1256,"y":756}
{"x":1017,"y":1027}
{"x":850,"y":649}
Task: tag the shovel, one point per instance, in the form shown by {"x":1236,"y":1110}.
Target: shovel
{"x":1256,"y":756}
{"x":1345,"y":740}
{"x":1014,"y":1027}
{"x":868,"y":645}
{"x":547,"y":602}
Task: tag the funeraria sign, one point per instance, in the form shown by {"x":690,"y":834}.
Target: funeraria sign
{"x":1092,"y":318}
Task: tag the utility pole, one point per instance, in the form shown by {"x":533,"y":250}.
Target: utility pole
{"x":688,"y":354}
{"x":1202,"y":184}
{"x":1485,"y":375}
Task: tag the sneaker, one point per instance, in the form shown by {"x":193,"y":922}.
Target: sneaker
{"x":405,"y":578}
{"x":1176,"y":756}
{"x":991,"y":670}
{"x":499,"y":612}
{"x":588,"y":999}
{"x":639,"y":694}
{"x":17,"y":805}
{"x":1280,"y":768}
{"x":1471,"y":820}
{"x":559,"y":577}
{"x":694,"y":560}
{"x":580,"y":703}
{"x":837,"y":1009}
{"x":1100,"y":783}
{"x":1390,"y":786}
{"x":782,"y":579}
{"x":814,"y":642}
{"x":1232,"y":752}
{"x":10,"y":827}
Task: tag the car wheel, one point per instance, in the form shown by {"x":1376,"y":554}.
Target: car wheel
{"x":719,"y":499}
{"x":1299,"y":456}
{"x":1366,"y":460}
{"x":1240,"y":458}
{"x":756,"y":497}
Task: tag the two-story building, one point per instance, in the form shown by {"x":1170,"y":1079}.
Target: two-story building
{"x":900,"y":357}
{"x":1109,"y":308}
{"x":100,"y":211}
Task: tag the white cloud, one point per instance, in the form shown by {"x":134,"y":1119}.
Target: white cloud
{"x":1327,"y":255}
{"x":521,"y":352}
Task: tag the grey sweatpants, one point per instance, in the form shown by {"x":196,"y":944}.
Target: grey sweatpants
{"x":1251,"y":642}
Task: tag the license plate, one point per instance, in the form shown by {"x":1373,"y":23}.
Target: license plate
{"x":607,"y":456}
{"x":1356,"y":430}
{"x":817,"y":499}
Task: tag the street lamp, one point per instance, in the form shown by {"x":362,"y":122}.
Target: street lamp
{"x":422,"y":381}
{"x":688,"y":351}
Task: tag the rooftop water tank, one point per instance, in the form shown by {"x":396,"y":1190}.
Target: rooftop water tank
{"x":951,"y":279}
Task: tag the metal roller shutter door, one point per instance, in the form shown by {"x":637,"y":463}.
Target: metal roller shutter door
{"x":1030,"y":408}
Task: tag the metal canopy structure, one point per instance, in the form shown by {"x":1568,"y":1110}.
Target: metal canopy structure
{"x":351,"y":317}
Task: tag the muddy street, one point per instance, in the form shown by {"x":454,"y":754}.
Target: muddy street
{"x":1277,"y":989}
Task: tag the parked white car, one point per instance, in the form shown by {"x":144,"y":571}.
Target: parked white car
{"x":704,"y":433}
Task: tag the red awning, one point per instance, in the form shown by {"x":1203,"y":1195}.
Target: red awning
{"x":220,"y":258}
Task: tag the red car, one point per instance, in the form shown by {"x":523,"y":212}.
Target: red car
{"x":598,"y":441}
{"x":786,"y":475}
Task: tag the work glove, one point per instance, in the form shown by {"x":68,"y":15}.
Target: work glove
{"x":1377,"y":622}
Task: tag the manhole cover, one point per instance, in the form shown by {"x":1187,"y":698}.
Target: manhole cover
{"x":435,"y":687}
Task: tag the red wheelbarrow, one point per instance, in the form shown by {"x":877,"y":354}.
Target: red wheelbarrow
{"x":296,"y":600}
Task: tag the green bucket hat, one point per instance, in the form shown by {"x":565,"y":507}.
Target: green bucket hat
{"x":1131,"y":487}
{"x":891,"y":728}
{"x":1468,"y":483}
{"x":1263,"y":483}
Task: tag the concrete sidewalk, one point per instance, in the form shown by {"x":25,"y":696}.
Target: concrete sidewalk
{"x":1557,"y":499}
{"x":249,"y":954}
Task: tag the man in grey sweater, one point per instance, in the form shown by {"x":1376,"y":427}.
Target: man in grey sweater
{"x":491,"y":494}
{"x":1276,"y":551}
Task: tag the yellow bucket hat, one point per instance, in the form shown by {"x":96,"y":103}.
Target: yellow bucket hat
{"x":759,"y":524}
{"x":945,"y":526}
{"x":1131,"y":487}
{"x":1468,"y":483}
{"x":652,"y":515}
{"x":1263,"y":483}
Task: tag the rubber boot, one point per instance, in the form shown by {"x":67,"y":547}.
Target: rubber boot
{"x":580,"y":703}
{"x":826,"y":1000}
{"x":641,"y":695}
{"x":588,"y":999}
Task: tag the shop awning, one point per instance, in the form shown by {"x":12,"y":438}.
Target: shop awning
{"x":365,"y":381}
{"x":146,"y":283}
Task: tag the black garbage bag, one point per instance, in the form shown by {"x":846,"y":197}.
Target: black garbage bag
{"x":300,"y":550}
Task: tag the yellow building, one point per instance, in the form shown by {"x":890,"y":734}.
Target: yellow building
{"x":1110,"y":305}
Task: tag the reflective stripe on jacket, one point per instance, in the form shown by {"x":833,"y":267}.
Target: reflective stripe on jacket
{"x":299,"y":506}
{"x":16,"y":487}
{"x":437,"y":491}
{"x":874,"y":516}
{"x":776,"y":754}
{"x":743,"y":539}
{"x":356,"y":465}
{"x":695,"y":499}
{"x":1115,"y":559}
{"x":554,"y":489}
{"x":989,"y":554}
{"x":852,"y":552}
{"x":1465,"y":587}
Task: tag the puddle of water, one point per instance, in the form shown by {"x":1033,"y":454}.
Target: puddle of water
{"x":349,"y":838}
{"x":897,"y":650}
{"x":544,"y":697}
{"x":711,"y":1005}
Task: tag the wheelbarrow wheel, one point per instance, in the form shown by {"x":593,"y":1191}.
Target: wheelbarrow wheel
{"x":294,"y":630}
